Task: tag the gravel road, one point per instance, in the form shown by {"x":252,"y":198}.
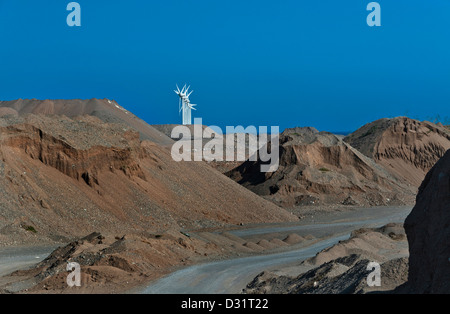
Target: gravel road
{"x":231,"y":276}
{"x":14,"y":258}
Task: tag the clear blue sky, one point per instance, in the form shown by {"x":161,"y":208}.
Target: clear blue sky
{"x":287,"y":63}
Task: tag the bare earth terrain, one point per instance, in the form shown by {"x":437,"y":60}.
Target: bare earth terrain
{"x":320,"y":169}
{"x":111,"y":265}
{"x":414,"y":257}
{"x":343,"y":267}
{"x":407,"y":148}
{"x":86,"y":181}
{"x":63,"y":178}
{"x":58,"y":182}
{"x":232,"y":275}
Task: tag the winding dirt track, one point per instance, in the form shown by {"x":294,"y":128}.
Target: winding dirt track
{"x":231,"y":276}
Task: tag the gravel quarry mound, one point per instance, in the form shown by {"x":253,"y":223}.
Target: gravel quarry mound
{"x":405,"y":147}
{"x":108,"y":111}
{"x":342,"y":269}
{"x":344,"y":275}
{"x":319,"y":168}
{"x":62,"y":178}
{"x":109,"y":264}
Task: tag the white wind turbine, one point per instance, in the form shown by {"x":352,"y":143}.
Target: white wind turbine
{"x":184,"y":103}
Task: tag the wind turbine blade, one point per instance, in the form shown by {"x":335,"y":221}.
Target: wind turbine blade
{"x":190,"y":93}
{"x":178,"y":89}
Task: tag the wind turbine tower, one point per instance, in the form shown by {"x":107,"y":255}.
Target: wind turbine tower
{"x":184,"y":104}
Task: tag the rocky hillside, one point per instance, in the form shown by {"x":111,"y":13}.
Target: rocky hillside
{"x":414,"y":257}
{"x":108,"y":111}
{"x":319,"y":168}
{"x":428,"y":232}
{"x":405,"y":147}
{"x":342,"y":269}
{"x":62,"y":178}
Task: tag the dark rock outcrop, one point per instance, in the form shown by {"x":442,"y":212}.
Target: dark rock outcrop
{"x":428,"y":233}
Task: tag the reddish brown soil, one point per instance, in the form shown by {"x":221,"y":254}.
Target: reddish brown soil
{"x":317,"y":169}
{"x":407,"y":148}
{"x":108,"y":111}
{"x":66,"y":178}
{"x":69,"y":168}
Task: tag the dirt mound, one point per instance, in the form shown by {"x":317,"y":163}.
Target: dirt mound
{"x":110,"y":264}
{"x":293,"y":239}
{"x":5,"y":111}
{"x":377,"y":244}
{"x":278,"y":242}
{"x":318,"y":168}
{"x":428,"y":232}
{"x":106,"y":110}
{"x":405,"y":147}
{"x":266,"y":244}
{"x":343,"y":267}
{"x":344,"y":275}
{"x":62,"y":178}
{"x":253,"y":246}
{"x":234,"y":238}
